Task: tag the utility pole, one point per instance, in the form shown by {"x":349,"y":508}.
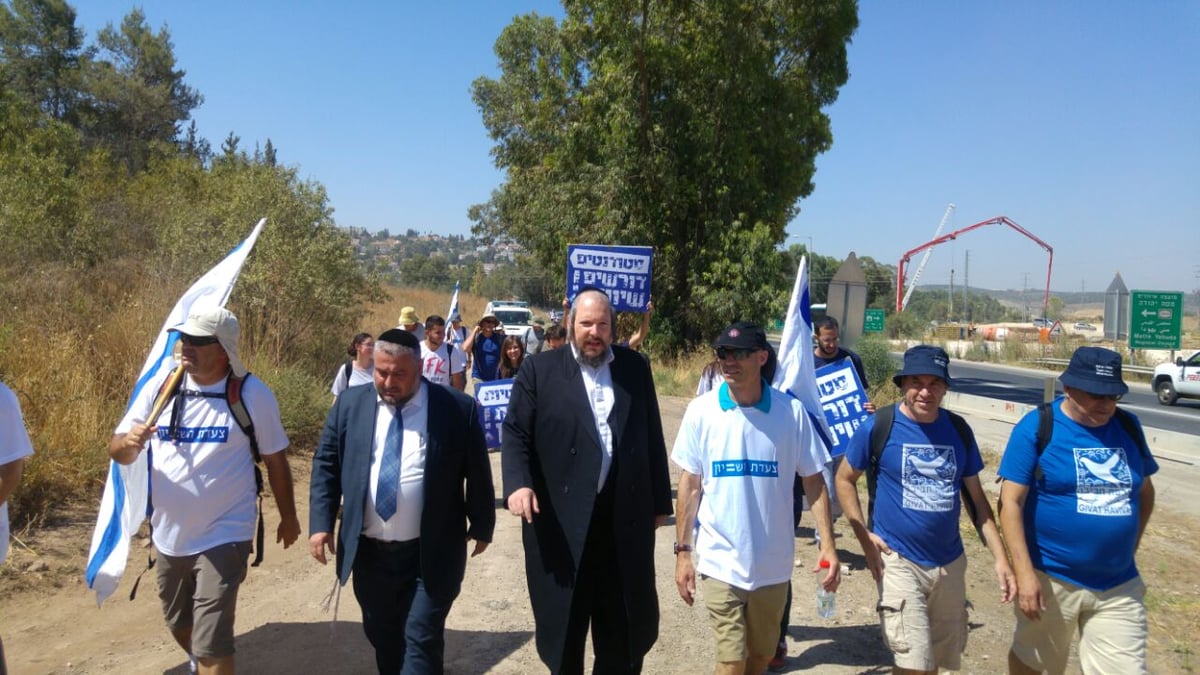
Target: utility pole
{"x":950,"y":298}
{"x":1025,"y":294}
{"x":966,"y":303}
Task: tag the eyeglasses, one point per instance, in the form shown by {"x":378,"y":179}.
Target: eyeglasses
{"x":198,"y":340}
{"x":1102,"y":397}
{"x":737,"y":354}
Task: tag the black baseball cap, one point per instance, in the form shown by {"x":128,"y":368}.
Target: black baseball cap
{"x":742,"y":335}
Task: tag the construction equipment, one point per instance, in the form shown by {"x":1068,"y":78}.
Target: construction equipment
{"x":912,"y":286}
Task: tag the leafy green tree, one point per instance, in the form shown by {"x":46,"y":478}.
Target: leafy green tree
{"x":41,"y":52}
{"x":689,"y":127}
{"x":39,"y":187}
{"x":1055,"y":308}
{"x":881,"y":288}
{"x":137,"y":96}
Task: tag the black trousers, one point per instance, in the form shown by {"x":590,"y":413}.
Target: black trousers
{"x":599,"y":599}
{"x":403,"y":623}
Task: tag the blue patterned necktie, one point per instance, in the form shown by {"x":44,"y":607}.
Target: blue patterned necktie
{"x":388,"y":483}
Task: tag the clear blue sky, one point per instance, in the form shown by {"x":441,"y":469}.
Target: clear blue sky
{"x":1079,"y":121}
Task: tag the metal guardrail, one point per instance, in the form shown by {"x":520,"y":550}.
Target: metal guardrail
{"x":1140,"y":370}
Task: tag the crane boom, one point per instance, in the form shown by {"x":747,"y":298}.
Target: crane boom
{"x":912,"y":286}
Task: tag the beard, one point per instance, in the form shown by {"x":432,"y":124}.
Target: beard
{"x":593,"y":361}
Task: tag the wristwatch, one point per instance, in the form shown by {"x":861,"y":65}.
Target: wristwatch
{"x":682,"y":547}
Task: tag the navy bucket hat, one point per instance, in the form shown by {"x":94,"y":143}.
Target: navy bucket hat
{"x":1095,"y":370}
{"x":925,"y":360}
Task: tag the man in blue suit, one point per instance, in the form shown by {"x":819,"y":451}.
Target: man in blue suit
{"x":397,"y":457}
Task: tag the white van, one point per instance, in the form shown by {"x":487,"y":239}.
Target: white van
{"x":514,"y":315}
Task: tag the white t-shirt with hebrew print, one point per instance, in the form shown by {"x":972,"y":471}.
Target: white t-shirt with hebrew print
{"x":14,"y":445}
{"x":747,"y":459}
{"x":436,"y":368}
{"x":202,"y":483}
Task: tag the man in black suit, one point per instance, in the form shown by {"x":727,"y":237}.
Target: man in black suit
{"x":585,"y":466}
{"x":397,"y":456}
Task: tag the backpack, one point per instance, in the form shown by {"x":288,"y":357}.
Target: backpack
{"x":1046,"y":429}
{"x":348,"y":370}
{"x":882,"y":431}
{"x":237,"y":408}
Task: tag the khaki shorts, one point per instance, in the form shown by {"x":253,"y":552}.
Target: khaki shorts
{"x":200,"y":592}
{"x":746,"y":622}
{"x":1111,"y":624}
{"x":923,"y":612}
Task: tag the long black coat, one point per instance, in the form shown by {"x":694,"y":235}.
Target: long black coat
{"x":550,"y":443}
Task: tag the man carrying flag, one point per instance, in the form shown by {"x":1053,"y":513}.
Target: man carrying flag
{"x":202,"y":481}
{"x":213,"y":336}
{"x":796,"y":375}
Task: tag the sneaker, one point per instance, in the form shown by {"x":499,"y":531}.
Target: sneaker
{"x":780,"y":659}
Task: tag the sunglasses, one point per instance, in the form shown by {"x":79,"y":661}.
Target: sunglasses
{"x":198,"y":340}
{"x":737,"y":354}
{"x":1103,"y":397}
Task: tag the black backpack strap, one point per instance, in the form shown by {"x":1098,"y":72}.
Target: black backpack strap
{"x":884,"y":417}
{"x":1134,"y":429}
{"x":1045,"y":431}
{"x":237,"y":408}
{"x":967,"y":435}
{"x":347,"y":368}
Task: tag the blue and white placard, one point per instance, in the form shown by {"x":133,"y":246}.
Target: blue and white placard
{"x":493,"y":405}
{"x":624,"y":272}
{"x":843,"y":398}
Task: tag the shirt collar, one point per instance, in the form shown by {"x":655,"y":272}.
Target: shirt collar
{"x":727,"y":402}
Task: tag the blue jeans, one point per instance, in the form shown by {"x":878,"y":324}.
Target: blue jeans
{"x":403,"y":623}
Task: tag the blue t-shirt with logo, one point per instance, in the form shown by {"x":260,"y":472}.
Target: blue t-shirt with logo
{"x":486,"y":364}
{"x":918,"y":486}
{"x":1081,"y":517}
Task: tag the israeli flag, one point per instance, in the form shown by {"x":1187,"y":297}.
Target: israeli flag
{"x":453,"y":303}
{"x":796,"y":373}
{"x":123,"y":507}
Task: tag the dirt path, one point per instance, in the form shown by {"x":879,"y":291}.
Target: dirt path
{"x":50,"y":623}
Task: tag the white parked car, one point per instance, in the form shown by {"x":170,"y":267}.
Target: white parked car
{"x":514,"y":315}
{"x":1181,"y":379}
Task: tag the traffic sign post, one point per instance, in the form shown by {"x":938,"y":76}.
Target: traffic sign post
{"x":1155,"y":319}
{"x":873,"y":321}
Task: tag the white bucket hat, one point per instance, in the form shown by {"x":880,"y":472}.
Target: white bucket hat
{"x":220,"y":323}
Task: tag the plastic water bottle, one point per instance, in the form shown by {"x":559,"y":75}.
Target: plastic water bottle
{"x":826,"y":600}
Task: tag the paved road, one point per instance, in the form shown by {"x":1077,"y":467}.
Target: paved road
{"x":1025,"y":385}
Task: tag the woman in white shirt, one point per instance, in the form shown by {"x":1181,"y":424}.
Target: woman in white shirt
{"x":360,"y":369}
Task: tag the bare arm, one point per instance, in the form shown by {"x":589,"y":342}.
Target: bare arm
{"x":1012,"y":508}
{"x":1145,"y":508}
{"x":279,"y":473}
{"x":124,"y":448}
{"x":846,"y":484}
{"x":469,"y":343}
{"x":686,"y":506}
{"x":815,"y":485}
{"x":986,"y":523}
{"x":639,"y":336}
{"x":10,"y":478}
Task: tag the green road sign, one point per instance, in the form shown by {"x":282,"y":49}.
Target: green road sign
{"x":873,"y":321}
{"x":1155,"y":319}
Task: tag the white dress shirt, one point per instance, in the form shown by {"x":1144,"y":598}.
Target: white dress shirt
{"x":405,"y":523}
{"x":599,"y":385}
